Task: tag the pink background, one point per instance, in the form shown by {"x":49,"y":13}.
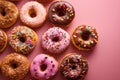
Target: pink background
{"x":104,"y":60}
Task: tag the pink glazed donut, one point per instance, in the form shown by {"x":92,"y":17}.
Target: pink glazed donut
{"x":43,"y":67}
{"x":55,"y":40}
{"x":33,"y":14}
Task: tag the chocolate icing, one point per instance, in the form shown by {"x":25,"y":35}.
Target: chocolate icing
{"x":61,"y":13}
{"x":85,"y":37}
{"x":74,"y":67}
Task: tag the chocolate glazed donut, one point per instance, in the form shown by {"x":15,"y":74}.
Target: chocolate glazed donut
{"x":74,"y":67}
{"x":61,"y":13}
{"x":84,"y":37}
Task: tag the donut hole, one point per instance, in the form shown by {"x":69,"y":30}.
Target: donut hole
{"x":22,"y":39}
{"x":14,"y":65}
{"x":73,"y":67}
{"x":56,"y":39}
{"x":61,"y":11}
{"x":32,"y":13}
{"x":2,"y":11}
{"x":85,"y":35}
{"x":43,"y":67}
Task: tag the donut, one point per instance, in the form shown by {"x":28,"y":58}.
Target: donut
{"x":3,"y":40}
{"x":15,"y":66}
{"x":55,"y":40}
{"x":43,"y":67}
{"x":61,"y":13}
{"x":33,"y":14}
{"x":44,"y":1}
{"x":84,"y":37}
{"x":22,"y":39}
{"x":8,"y":14}
{"x":74,"y":67}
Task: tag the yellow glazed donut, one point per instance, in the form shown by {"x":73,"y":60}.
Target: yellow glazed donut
{"x":8,"y":14}
{"x":84,"y":37}
{"x":22,"y":39}
{"x":3,"y":40}
{"x":15,"y":66}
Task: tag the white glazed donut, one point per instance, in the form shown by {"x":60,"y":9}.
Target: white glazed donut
{"x":33,"y":14}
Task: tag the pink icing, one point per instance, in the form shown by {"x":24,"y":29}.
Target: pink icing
{"x":33,"y":21}
{"x":52,"y":67}
{"x":55,"y":46}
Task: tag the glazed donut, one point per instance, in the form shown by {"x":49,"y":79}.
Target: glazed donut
{"x":3,"y":40}
{"x":15,"y":66}
{"x":61,"y":13}
{"x":8,"y":14}
{"x":55,"y":40}
{"x":74,"y":67}
{"x":43,"y":67}
{"x":33,"y":14}
{"x":84,"y":37}
{"x":44,"y":1}
{"x":22,"y":39}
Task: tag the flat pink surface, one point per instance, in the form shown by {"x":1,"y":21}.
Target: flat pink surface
{"x":104,"y":60}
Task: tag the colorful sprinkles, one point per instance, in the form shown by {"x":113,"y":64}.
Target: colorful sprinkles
{"x":61,"y":13}
{"x":55,"y":40}
{"x":26,"y":43}
{"x":85,"y":31}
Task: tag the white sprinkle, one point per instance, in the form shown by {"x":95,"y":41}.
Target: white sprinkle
{"x":84,"y":45}
{"x":53,"y":10}
{"x":92,"y":42}
{"x":95,"y":36}
{"x":74,"y":36}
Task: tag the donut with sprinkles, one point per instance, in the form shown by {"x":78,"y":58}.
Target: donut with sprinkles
{"x":55,"y":40}
{"x":84,"y":37}
{"x":61,"y":13}
{"x":22,"y":39}
{"x":74,"y":67}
